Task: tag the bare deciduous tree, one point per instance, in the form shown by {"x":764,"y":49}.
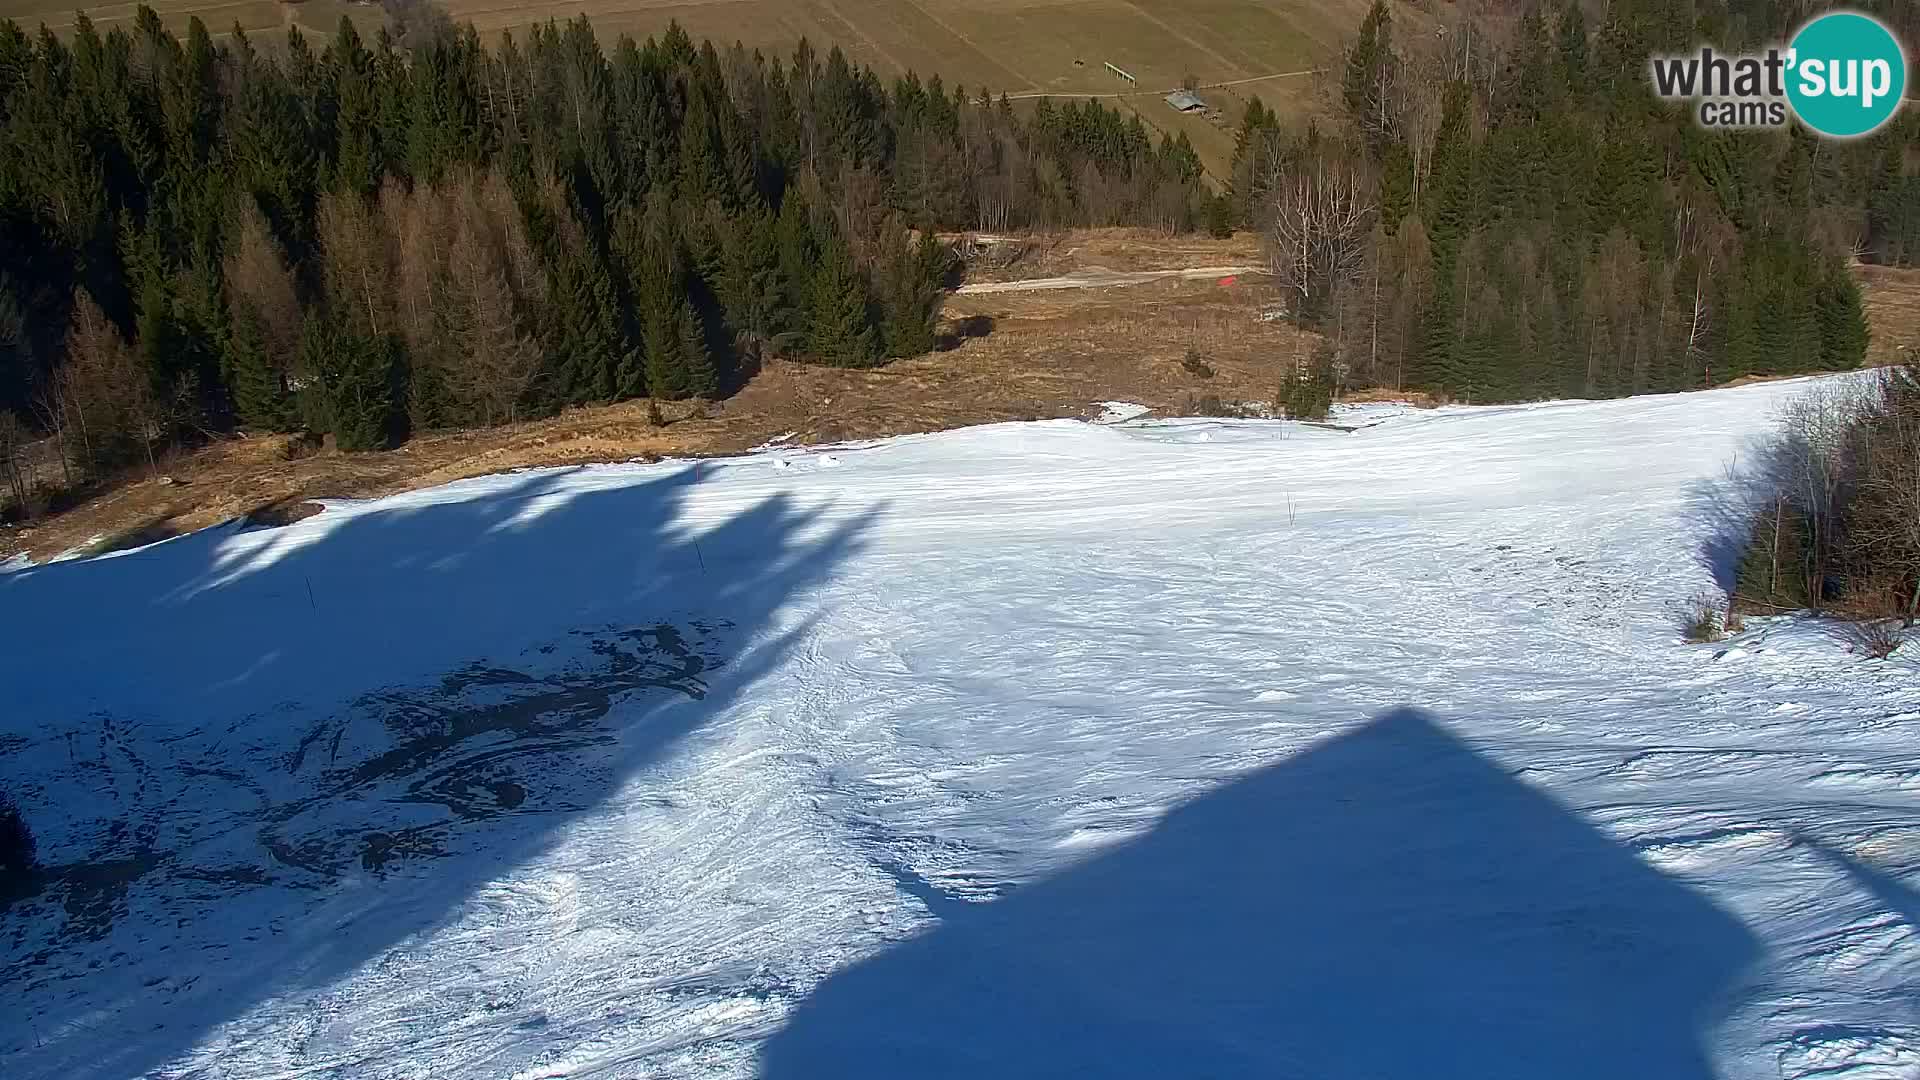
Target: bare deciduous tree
{"x":1418,"y":105}
{"x":259,"y":279}
{"x":14,"y":438}
{"x":1321,"y":212}
{"x":416,"y":232}
{"x":355,"y":266}
{"x":859,"y":207}
{"x":1884,"y":523}
{"x":525,"y":273}
{"x":466,"y":287}
{"x":105,"y":392}
{"x":492,"y":359}
{"x":1700,"y":320}
{"x":1408,"y":257}
{"x":1815,"y":465}
{"x":1614,"y":285}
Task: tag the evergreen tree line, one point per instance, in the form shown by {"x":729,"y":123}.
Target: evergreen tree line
{"x":366,"y":239}
{"x":1506,"y":211}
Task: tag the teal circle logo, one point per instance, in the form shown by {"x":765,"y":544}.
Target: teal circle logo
{"x":1846,"y":74}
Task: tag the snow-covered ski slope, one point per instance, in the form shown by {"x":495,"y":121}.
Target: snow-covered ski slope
{"x":1150,"y":749}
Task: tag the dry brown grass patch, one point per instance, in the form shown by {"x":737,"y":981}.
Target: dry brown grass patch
{"x":1047,"y":355}
{"x":1892,"y":299}
{"x":1417,"y":398}
{"x":1051,"y":254}
{"x":1875,"y":638}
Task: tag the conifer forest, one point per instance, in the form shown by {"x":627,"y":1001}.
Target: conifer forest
{"x":366,"y":238}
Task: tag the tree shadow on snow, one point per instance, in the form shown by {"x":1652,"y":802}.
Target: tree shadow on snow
{"x":1386,"y":904}
{"x":1723,"y":510}
{"x":204,"y":854}
{"x":1886,"y":888}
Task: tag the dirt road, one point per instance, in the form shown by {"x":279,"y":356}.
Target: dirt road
{"x":1099,"y":277}
{"x":1156,"y":93}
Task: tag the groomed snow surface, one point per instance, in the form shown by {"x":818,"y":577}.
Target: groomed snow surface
{"x":1145,"y":749}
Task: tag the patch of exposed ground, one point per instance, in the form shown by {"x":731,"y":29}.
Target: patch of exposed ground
{"x":1893,"y":310}
{"x":1017,"y":258}
{"x":1011,"y":357}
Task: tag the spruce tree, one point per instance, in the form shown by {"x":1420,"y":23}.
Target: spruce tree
{"x":1396,"y":186}
{"x":582,"y":331}
{"x":1218,"y":215}
{"x":658,"y":298}
{"x":1573,"y":46}
{"x":740,"y":159}
{"x":798,"y":249}
{"x":358,"y":160}
{"x":702,"y":379}
{"x":200,"y":323}
{"x":352,"y":389}
{"x":1450,"y":203}
{"x":666,"y":360}
{"x":1739,"y":344}
{"x":1307,"y":391}
{"x":1255,"y":120}
{"x":1369,"y":75}
{"x":260,"y":393}
{"x":655,"y":268}
{"x":1842,"y":321}
{"x":700,"y":175}
{"x":744,"y":271}
{"x":365,"y":401}
{"x":911,"y":293}
{"x":838,"y":329}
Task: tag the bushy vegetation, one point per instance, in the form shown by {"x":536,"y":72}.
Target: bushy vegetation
{"x":17,"y":848}
{"x":1837,"y":524}
{"x":1196,"y":365}
{"x":1876,"y":638}
{"x":1306,"y":393}
{"x":1701,"y":622}
{"x":1211,"y":405}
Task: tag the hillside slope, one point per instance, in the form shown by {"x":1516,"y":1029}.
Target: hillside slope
{"x":1008,"y":357}
{"x":1141,"y":749}
{"x":1235,"y":49}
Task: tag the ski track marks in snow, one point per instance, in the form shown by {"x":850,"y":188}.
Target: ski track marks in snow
{"x":1138,"y":742}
